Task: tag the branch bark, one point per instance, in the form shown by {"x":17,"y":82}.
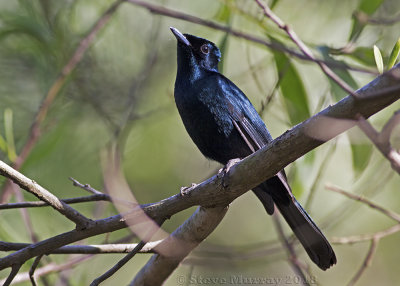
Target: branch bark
{"x":44,"y":195}
{"x":178,"y":245}
{"x":256,"y":168}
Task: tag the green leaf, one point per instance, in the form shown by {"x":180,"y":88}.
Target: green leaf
{"x":365,"y":9}
{"x":292,"y":89}
{"x":296,"y":181}
{"x":369,"y":6}
{"x":363,"y":55}
{"x":378,"y":59}
{"x":361,"y":154}
{"x":394,"y":55}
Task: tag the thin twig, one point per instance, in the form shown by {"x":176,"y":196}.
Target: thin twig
{"x":383,"y":146}
{"x":292,"y":256}
{"x":373,"y":205}
{"x":25,"y":215}
{"x":386,"y":132}
{"x":367,"y":261}
{"x":303,"y":48}
{"x":92,"y":198}
{"x":87,"y":249}
{"x":92,"y":190}
{"x":21,"y":277}
{"x":365,"y":237}
{"x":365,"y":18}
{"x":118,"y":265}
{"x":44,"y":195}
{"x":33,"y":268}
{"x":86,"y":187}
{"x":160,"y":10}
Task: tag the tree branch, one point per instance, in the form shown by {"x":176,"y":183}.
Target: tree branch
{"x":160,"y":10}
{"x":381,"y":140}
{"x":303,"y":48}
{"x":44,"y":195}
{"x":183,"y":240}
{"x":256,"y":168}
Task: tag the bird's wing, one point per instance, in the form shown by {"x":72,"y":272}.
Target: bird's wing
{"x":245,"y":118}
{"x":254,"y":132}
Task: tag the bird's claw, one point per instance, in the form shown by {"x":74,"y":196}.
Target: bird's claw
{"x":186,"y":190}
{"x":226,"y":169}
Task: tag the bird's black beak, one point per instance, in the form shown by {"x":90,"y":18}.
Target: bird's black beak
{"x":179,"y":36}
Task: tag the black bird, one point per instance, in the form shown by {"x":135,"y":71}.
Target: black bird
{"x":224,"y":125}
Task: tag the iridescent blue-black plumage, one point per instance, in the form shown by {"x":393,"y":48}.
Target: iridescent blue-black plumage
{"x":224,"y":125}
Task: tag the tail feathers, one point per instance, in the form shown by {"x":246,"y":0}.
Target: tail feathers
{"x":309,"y":235}
{"x":277,"y":191}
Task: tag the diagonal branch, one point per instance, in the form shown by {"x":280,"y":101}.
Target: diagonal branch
{"x":44,"y":195}
{"x":178,"y":245}
{"x":160,"y":10}
{"x":250,"y":172}
{"x":381,"y":140}
{"x":303,"y":48}
{"x":373,"y":205}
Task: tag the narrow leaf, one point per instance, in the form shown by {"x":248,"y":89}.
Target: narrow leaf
{"x":292,"y":89}
{"x":344,"y":74}
{"x":365,"y":9}
{"x":378,"y":59}
{"x":394,"y":55}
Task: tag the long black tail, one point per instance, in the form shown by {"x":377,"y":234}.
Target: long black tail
{"x":276,"y":190}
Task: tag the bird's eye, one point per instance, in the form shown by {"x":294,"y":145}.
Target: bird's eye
{"x":205,"y":49}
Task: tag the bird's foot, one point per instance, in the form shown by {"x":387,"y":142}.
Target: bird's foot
{"x":186,"y":190}
{"x":226,"y":169}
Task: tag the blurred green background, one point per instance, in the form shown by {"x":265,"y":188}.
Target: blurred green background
{"x":123,"y":90}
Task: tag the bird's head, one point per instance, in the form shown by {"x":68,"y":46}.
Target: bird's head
{"x":196,"y":51}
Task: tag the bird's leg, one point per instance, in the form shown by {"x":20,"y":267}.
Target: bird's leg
{"x":226,"y":168}
{"x":186,"y":190}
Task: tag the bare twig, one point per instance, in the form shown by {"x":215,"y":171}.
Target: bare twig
{"x":292,"y":256}
{"x":386,"y":132}
{"x":86,"y":187}
{"x":373,"y":205}
{"x":365,"y":18}
{"x":49,"y":268}
{"x":33,"y":268}
{"x":374,"y":238}
{"x":382,"y":142}
{"x":44,"y":195}
{"x":118,"y":266}
{"x":92,"y":190}
{"x":87,"y":249}
{"x":367,"y":261}
{"x":365,"y":237}
{"x":92,"y":198}
{"x":25,"y":215}
{"x":303,"y":48}
{"x":160,"y":10}
{"x":56,"y":87}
